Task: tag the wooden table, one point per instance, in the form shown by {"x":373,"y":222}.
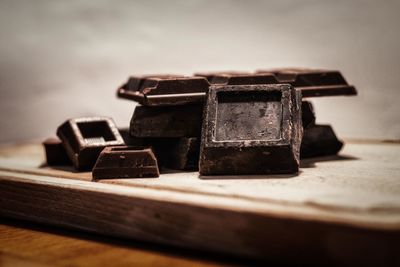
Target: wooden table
{"x":29,"y":244}
{"x":343,"y":209}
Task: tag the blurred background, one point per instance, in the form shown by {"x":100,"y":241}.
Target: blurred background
{"x":64,"y":59}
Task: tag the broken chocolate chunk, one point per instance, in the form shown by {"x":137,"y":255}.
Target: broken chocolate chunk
{"x":167,"y":121}
{"x":55,"y":153}
{"x":251,"y":129}
{"x":84,"y":139}
{"x":164,"y":91}
{"x":318,"y":141}
{"x":125,"y":162}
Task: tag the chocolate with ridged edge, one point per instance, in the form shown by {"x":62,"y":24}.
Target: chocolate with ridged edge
{"x":164,"y":90}
{"x":125,"y":162}
{"x":218,"y":77}
{"x":313,"y":82}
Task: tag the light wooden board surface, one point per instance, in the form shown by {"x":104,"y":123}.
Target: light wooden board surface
{"x":350,"y":199}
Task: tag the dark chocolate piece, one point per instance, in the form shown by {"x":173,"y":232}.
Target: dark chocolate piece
{"x":164,"y":91}
{"x":125,"y":162}
{"x":55,"y":153}
{"x":251,"y":129}
{"x":177,"y":153}
{"x":219,"y":76}
{"x":168,"y":121}
{"x":314,"y":83}
{"x":265,"y":78}
{"x":307,"y":114}
{"x":130,"y":140}
{"x":318,"y":141}
{"x":84,"y":139}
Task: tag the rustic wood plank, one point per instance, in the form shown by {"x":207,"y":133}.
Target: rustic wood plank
{"x":338,"y":208}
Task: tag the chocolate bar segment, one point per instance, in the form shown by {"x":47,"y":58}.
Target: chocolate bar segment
{"x":307,"y":113}
{"x":251,"y":129}
{"x":318,"y":141}
{"x":55,"y":153}
{"x":177,"y":153}
{"x":219,"y":77}
{"x":167,"y":121}
{"x":164,"y":91}
{"x":84,"y":139}
{"x":130,"y":140}
{"x":314,"y":83}
{"x":125,"y":162}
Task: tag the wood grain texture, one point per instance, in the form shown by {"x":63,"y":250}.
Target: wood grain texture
{"x":24,"y":244}
{"x":339,"y":210}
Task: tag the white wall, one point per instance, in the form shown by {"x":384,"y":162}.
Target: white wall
{"x":62,"y":59}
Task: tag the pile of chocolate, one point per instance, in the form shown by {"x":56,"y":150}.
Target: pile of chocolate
{"x":227,"y":123}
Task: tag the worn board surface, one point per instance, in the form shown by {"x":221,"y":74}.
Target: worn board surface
{"x":342,"y":209}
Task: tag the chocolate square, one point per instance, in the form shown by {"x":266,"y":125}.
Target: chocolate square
{"x":84,"y":139}
{"x":125,"y":162}
{"x":251,"y":129}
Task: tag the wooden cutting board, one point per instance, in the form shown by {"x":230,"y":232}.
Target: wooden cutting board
{"x":343,"y":209}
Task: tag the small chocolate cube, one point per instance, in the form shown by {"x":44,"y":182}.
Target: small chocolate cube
{"x":251,"y":129}
{"x":84,"y":139}
{"x":55,"y":153}
{"x":125,"y":162}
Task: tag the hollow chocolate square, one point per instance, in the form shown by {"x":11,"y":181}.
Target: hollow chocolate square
{"x":319,"y":140}
{"x":55,"y":152}
{"x":84,"y":139}
{"x":125,"y":162}
{"x":251,"y":129}
{"x":164,"y":91}
{"x":167,"y":121}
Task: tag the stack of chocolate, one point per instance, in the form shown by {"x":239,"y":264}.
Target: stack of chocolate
{"x":227,"y":123}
